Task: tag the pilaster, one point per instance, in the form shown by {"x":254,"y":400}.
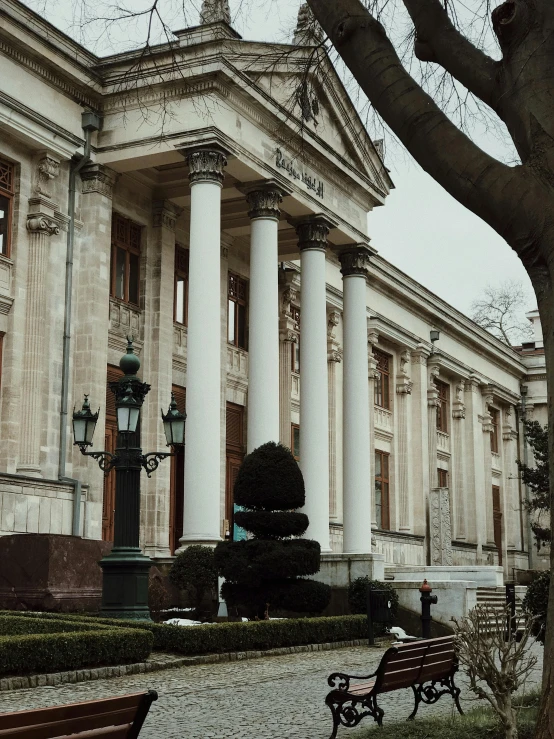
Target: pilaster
{"x":432,"y":405}
{"x":158,"y":368}
{"x":404,"y":387}
{"x":372,"y":341}
{"x":419,"y":484}
{"x":473,"y":466}
{"x":92,"y":288}
{"x":486,"y":422}
{"x":334,"y":358}
{"x":510,"y":477}
{"x":458,"y":456}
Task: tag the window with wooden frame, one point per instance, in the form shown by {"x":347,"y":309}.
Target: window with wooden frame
{"x":237,"y":295}
{"x":126,"y":238}
{"x":295,"y":440}
{"x":181,"y":289}
{"x":442,"y":478}
{"x":495,"y":418}
{"x":382,"y":379}
{"x":295,"y":345}
{"x":443,"y":406}
{"x":6,"y":206}
{"x":382,"y":511}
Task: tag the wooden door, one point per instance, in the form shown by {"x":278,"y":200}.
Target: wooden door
{"x":177,"y":484}
{"x":235,"y":451}
{"x":497,"y":521}
{"x":110,"y":443}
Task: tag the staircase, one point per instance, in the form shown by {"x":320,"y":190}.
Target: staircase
{"x":495,"y":598}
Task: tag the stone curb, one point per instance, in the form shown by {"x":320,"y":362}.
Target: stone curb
{"x":169,"y":662}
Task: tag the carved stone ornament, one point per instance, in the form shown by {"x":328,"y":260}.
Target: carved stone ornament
{"x":215,"y":11}
{"x":404,"y":386}
{"x":42,"y":225}
{"x":312,"y":233}
{"x":206,"y":165}
{"x":441,"y":530}
{"x":434,"y":372}
{"x":405,"y":362}
{"x":420,"y":354}
{"x":308,"y":31}
{"x":354,"y":261}
{"x":372,"y":337}
{"x":165,"y":214}
{"x":335,"y":355}
{"x":288,"y":335}
{"x":48,"y":168}
{"x":333,"y":319}
{"x":458,"y":406}
{"x":289,"y":296}
{"x":264,"y":203}
{"x":99,"y":179}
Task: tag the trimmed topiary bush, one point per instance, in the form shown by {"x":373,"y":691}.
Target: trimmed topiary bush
{"x":194,"y":570}
{"x":269,"y":570}
{"x":536,"y":603}
{"x":357,"y":597}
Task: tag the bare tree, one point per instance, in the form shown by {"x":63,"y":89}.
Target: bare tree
{"x":500,"y":311}
{"x":495,"y":662}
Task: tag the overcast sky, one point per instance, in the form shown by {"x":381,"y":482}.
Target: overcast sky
{"x":421,"y":229}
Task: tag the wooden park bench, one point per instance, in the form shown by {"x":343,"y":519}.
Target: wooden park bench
{"x":109,"y":718}
{"x":428,"y":667}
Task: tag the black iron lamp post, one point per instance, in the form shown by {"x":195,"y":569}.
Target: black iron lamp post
{"x":125,"y":568}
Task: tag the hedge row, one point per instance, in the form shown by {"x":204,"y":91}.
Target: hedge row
{"x":61,"y":644}
{"x":238,"y":637}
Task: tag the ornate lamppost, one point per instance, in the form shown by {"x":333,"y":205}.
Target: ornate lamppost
{"x":125,"y":568}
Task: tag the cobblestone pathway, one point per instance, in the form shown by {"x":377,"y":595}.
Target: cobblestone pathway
{"x":267,"y":698}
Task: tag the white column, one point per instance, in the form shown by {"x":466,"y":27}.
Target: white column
{"x":487,"y":513}
{"x":263,"y":342}
{"x":357,"y":483}
{"x":432,"y":405}
{"x":314,"y":418}
{"x":202,"y":513}
{"x":458,"y":476}
{"x":404,"y":388}
{"x":334,"y":357}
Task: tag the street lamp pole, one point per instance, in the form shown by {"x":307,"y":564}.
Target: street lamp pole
{"x":125,"y":569}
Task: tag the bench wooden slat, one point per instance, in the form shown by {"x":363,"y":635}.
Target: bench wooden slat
{"x":70,"y":711}
{"x":70,"y":726}
{"x":362,"y":688}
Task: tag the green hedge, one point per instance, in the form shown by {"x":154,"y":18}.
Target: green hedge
{"x":33,"y":643}
{"x":238,"y":637}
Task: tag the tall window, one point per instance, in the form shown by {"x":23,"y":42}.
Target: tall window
{"x":382,"y":490}
{"x":495,"y":415}
{"x":382,"y":380}
{"x":6,"y":205}
{"x":443,"y":406}
{"x":295,"y":346}
{"x":295,"y":440}
{"x":442,"y":477}
{"x":125,"y":259}
{"x":181,"y":291}
{"x":237,"y":306}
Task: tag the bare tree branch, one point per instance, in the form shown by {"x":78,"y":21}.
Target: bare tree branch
{"x":437,"y":40}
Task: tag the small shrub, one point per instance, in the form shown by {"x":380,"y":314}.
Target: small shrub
{"x":194,"y":571}
{"x":535,"y":603}
{"x":357,"y":597}
{"x":159,"y":598}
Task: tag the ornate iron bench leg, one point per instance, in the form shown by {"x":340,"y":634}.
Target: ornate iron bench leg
{"x":417,"y":701}
{"x":335,"y":710}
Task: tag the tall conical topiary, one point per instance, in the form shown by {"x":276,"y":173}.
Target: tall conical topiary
{"x":270,"y":568}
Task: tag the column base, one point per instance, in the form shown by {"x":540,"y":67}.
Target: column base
{"x":125,"y":584}
{"x":339,"y":570}
{"x":202,"y":540}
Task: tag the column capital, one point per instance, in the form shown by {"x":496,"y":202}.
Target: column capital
{"x":264,"y":198}
{"x":420,"y":354}
{"x":165,"y":214}
{"x":39,"y":224}
{"x":334,"y":355}
{"x":404,"y":386}
{"x":206,"y":164}
{"x":100,"y":179}
{"x":355,"y":260}
{"x":312,"y":231}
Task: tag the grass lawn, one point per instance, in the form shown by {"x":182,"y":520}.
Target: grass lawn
{"x":480,"y":723}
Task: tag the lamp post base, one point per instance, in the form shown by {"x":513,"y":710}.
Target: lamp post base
{"x":125,"y":584}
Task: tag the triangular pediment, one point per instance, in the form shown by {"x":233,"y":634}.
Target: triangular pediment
{"x":318,"y":107}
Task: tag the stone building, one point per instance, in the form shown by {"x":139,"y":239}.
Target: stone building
{"x":234,"y":245}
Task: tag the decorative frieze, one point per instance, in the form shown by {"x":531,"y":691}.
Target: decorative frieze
{"x":98,"y":179}
{"x":355,"y":261}
{"x":48,"y":168}
{"x":264,"y":202}
{"x":206,"y":165}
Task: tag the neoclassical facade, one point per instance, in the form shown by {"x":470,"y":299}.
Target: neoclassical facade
{"x":229,"y":234}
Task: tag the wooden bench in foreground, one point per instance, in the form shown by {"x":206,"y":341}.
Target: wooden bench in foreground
{"x":109,"y":718}
{"x":428,"y":667}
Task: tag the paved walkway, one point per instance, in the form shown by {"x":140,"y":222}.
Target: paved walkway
{"x":267,"y":698}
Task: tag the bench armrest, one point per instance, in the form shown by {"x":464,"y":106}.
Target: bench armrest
{"x":340,"y":681}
